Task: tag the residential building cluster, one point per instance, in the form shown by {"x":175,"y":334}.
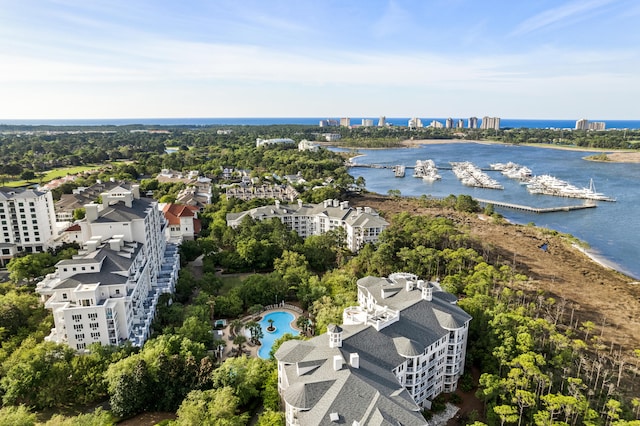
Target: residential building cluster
{"x":362,"y":225}
{"x":197,"y":191}
{"x":108,"y":292}
{"x":585,"y":124}
{"x":401,"y":346}
{"x":267,"y":191}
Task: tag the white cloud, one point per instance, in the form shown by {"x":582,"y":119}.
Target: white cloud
{"x":562,"y":15}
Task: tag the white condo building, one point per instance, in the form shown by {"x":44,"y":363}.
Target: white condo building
{"x":28,"y":222}
{"x":361,"y":225}
{"x":404,"y":344}
{"x":108,"y":292}
{"x":490,"y":123}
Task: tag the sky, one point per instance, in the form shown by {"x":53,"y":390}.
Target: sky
{"x":66,"y":59}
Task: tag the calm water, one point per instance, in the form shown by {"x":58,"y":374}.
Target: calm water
{"x":282,"y":323}
{"x":612,"y":229}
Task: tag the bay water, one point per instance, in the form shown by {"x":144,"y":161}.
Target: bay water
{"x":612,"y":229}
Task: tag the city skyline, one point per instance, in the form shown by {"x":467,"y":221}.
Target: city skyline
{"x":65,"y":59}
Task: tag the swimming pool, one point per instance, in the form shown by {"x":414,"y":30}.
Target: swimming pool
{"x":282,"y":323}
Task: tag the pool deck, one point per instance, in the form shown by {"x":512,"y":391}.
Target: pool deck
{"x":252,"y":350}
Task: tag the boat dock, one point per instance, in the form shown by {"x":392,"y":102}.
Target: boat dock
{"x":536,"y":209}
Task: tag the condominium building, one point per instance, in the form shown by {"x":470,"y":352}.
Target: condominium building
{"x":361,"y":225}
{"x":449,"y":123}
{"x":585,"y":124}
{"x":403,"y":344}
{"x":328,"y":123}
{"x":367,"y":122}
{"x":382,"y":121}
{"x":108,"y":292}
{"x":345,"y":122}
{"x":28,"y":222}
{"x":460,"y":124}
{"x":473,"y":122}
{"x":490,"y":123}
{"x":265,"y":192}
{"x":582,"y":124}
{"x":415,"y":123}
{"x":276,"y":141}
{"x":435,"y":124}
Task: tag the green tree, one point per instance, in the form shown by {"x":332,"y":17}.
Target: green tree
{"x":246,"y":376}
{"x":37,"y":375}
{"x":132,"y":392}
{"x":17,"y":416}
{"x":79,"y":213}
{"x":215,"y":407}
{"x":271,"y":418}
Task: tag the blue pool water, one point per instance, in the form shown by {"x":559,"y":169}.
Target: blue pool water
{"x":282,"y":323}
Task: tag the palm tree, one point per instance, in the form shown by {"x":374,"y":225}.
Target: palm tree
{"x":303,"y":323}
{"x":270,"y":327}
{"x":239,"y":340}
{"x":235,"y":326}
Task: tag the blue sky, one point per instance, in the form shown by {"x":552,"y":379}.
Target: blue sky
{"x":303,"y":58}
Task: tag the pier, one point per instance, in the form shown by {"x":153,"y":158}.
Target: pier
{"x":536,"y":209}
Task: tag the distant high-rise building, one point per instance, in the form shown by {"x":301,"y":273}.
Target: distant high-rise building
{"x":415,"y":123}
{"x":460,"y":124}
{"x":367,"y":122}
{"x":382,"y":121}
{"x":582,"y":124}
{"x":473,"y":122}
{"x":492,"y":123}
{"x":345,"y":122}
{"x":449,"y":123}
{"x":436,"y":124}
{"x":329,"y":123}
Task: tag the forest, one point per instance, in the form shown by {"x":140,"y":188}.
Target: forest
{"x":537,"y":364}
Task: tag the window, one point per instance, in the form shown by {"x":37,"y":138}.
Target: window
{"x":93,"y":316}
{"x":80,"y":336}
{"x":64,"y":296}
{"x":117,"y":291}
{"x":78,"y":327}
{"x":81,"y":346}
{"x":94,"y":325}
{"x":95,"y":335}
{"x":77,"y":317}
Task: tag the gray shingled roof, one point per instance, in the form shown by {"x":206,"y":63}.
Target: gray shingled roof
{"x":407,"y":347}
{"x":306,"y":395}
{"x":121,"y":213}
{"x":114,"y":269}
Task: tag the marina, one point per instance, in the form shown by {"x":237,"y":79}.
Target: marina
{"x":513,"y":170}
{"x":471,"y":175}
{"x":549,"y":185}
{"x":607,"y":228}
{"x":426,"y":170}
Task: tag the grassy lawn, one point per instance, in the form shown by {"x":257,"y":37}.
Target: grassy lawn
{"x":231,"y":281}
{"x":53,"y":174}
